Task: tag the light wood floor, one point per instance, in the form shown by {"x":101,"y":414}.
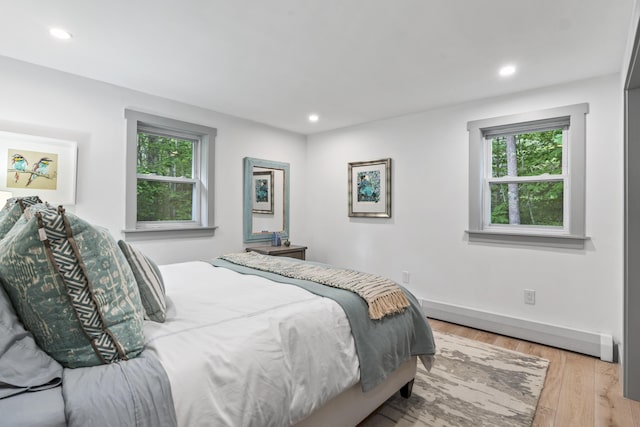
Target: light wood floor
{"x":579,"y":390}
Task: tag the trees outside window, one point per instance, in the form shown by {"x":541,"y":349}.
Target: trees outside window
{"x":166,"y":183}
{"x":526,"y":180}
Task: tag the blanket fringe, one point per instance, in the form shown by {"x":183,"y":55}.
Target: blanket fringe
{"x":381,"y":306}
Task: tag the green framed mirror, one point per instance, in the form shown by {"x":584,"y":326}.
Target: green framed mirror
{"x":265,"y":199}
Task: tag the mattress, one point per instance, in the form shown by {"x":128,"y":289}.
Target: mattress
{"x":241,"y":350}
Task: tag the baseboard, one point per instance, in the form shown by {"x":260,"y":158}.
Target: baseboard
{"x":592,"y":343}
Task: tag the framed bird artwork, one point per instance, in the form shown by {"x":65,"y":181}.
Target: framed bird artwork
{"x":38,"y":165}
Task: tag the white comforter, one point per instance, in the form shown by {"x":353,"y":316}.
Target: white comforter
{"x":242,"y":350}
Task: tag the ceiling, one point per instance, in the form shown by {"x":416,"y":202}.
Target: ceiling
{"x":349,"y":61}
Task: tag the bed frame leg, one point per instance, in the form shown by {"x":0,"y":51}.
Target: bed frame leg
{"x":406,"y":390}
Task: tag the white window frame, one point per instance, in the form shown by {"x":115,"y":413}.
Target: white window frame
{"x":201,"y":223}
{"x":194,"y":180}
{"x":564,"y":177}
{"x":572,"y":234}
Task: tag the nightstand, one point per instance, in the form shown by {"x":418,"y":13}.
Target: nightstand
{"x":292,"y":251}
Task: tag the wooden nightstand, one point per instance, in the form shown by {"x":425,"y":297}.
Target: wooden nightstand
{"x":292,"y":251}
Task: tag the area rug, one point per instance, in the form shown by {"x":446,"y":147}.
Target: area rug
{"x":470,"y":384}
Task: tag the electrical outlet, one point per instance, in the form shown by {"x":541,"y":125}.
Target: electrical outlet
{"x":406,"y":277}
{"x":529,"y":296}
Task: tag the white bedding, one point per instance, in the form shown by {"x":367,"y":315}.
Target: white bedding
{"x":241,"y":350}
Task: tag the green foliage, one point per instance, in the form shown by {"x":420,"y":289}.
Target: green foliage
{"x":170,"y":157}
{"x":540,"y":203}
{"x":164,"y":156}
{"x":164,"y":201}
{"x":537,"y":153}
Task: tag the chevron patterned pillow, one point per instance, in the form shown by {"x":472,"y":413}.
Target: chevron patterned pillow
{"x":72,"y":288}
{"x":149,"y":281}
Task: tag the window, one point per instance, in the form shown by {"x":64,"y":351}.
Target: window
{"x":169,"y":175}
{"x":525,"y":178}
{"x":526,"y":181}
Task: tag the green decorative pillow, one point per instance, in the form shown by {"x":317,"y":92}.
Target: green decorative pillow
{"x":149,"y":281}
{"x":72,"y":288}
{"x":12,"y":211}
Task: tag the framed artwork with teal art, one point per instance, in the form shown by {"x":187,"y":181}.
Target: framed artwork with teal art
{"x":370,"y":189}
{"x":263,"y":192}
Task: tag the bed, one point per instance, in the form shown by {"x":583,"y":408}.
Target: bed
{"x":237,"y":347}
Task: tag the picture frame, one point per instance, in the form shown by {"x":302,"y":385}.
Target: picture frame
{"x":262,"y":192}
{"x":369,"y":185}
{"x":38,"y":166}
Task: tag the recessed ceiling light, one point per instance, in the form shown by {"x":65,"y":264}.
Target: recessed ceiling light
{"x":59,"y":33}
{"x":313,"y":118}
{"x":507,"y":70}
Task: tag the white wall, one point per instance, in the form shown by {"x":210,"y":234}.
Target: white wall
{"x":39,"y":100}
{"x":579,"y":289}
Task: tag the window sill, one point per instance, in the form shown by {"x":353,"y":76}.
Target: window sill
{"x":168,"y":232}
{"x":530,"y":239}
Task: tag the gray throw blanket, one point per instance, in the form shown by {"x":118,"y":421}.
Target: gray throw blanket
{"x":382,"y":345}
{"x":383,"y":296}
{"x":134,"y":393}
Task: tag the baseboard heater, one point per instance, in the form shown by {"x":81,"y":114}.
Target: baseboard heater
{"x":592,"y":343}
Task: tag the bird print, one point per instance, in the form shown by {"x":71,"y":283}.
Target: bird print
{"x":40,"y":168}
{"x":19,"y":163}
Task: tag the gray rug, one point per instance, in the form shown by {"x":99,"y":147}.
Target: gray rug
{"x":470,"y":384}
